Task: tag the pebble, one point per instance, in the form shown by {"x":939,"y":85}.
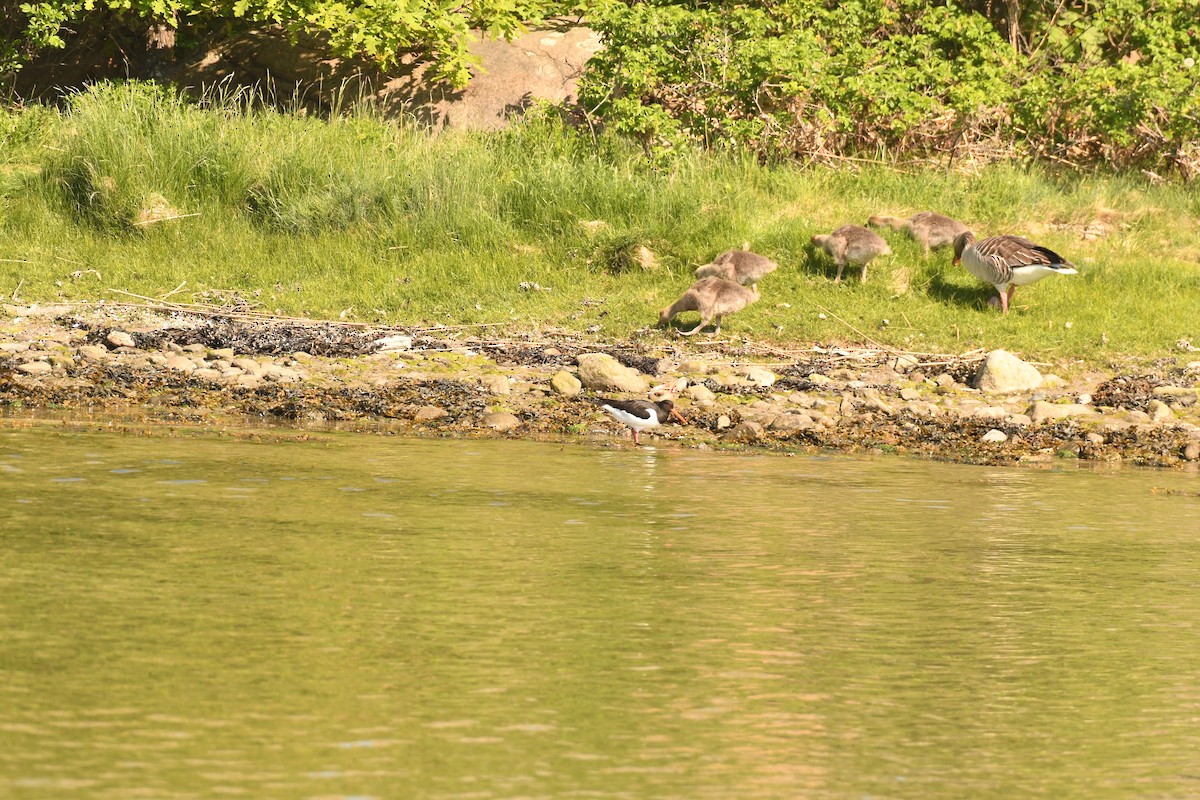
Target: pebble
{"x":1095,"y":438}
{"x":120,"y":339}
{"x":500,"y":421}
{"x":745,"y":432}
{"x":207,"y":373}
{"x":35,"y":368}
{"x":222,"y":353}
{"x":991,"y":412}
{"x":792,"y":422}
{"x":566,"y":384}
{"x":817,"y":379}
{"x":699,"y":393}
{"x":248,"y":364}
{"x":1191,"y":451}
{"x":496,"y":385}
{"x":429,"y":413}
{"x":1159,"y":411}
{"x":181,"y":363}
{"x":14,"y":347}
{"x":909,"y":393}
{"x":278,"y":374}
{"x":93,"y":352}
{"x":693,"y":367}
{"x":723,"y":422}
{"x":760,"y":376}
{"x":1084,"y":399}
{"x":994,"y":436}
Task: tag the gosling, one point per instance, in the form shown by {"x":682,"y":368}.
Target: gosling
{"x":852,"y":244}
{"x":931,"y":229}
{"x":742,"y":266}
{"x":712,"y":297}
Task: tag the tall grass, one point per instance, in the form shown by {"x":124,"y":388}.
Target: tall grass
{"x":363,"y":216}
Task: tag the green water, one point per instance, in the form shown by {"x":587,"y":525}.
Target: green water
{"x":374,"y":617}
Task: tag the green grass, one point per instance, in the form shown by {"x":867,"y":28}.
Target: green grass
{"x":315,"y":217}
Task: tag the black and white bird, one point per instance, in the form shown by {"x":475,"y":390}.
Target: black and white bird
{"x":640,"y":415}
{"x":1007,"y":262}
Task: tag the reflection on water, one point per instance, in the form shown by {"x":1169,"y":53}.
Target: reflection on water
{"x":362,"y":616}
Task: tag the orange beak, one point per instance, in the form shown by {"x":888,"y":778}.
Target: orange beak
{"x":678,"y":416}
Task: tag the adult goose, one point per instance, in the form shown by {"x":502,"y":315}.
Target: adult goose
{"x":1007,"y":262}
{"x":640,"y":415}
{"x":712,"y":297}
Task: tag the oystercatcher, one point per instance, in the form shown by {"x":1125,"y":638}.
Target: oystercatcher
{"x":640,"y":415}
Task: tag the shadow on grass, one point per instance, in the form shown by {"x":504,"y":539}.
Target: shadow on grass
{"x":956,"y":294}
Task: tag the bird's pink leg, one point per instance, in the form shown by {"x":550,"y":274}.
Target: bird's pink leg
{"x":636,"y":440}
{"x":1003,"y":303}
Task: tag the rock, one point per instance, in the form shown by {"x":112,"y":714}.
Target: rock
{"x":1052,"y":381}
{"x":1191,"y":451}
{"x":602,"y":371}
{"x":566,"y":384}
{"x":846,"y":407}
{"x":1002,"y":373}
{"x":994,"y":436}
{"x":1174,"y":392}
{"x":195,"y":349}
{"x":249,"y":365}
{"x":35,"y":368}
{"x":36,"y":311}
{"x":1084,"y":399}
{"x":745,"y":432}
{"x":1094,"y":438}
{"x":392,"y":344}
{"x":93,"y":352}
{"x":908,"y":393}
{"x":903,"y":363}
{"x":279,"y":374}
{"x":248,"y":380}
{"x":429,"y":413}
{"x":723,"y":422}
{"x":1138,"y":417}
{"x":495,"y":385}
{"x":14,"y":347}
{"x":699,"y":393}
{"x":693,"y":367}
{"x":877,"y":404}
{"x":1021,"y":420}
{"x":817,"y":379}
{"x":1159,"y":411}
{"x":760,"y":376}
{"x":120,"y":339}
{"x":222,"y":353}
{"x":789,"y":423}
{"x":181,"y":363}
{"x":501,"y":421}
{"x":990,"y":412}
{"x":1042,"y":410}
{"x":208,"y":374}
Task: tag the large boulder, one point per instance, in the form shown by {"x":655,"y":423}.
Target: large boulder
{"x":602,"y":372}
{"x":1002,"y":372}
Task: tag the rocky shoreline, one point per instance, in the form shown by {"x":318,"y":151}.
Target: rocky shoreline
{"x":214,"y":368}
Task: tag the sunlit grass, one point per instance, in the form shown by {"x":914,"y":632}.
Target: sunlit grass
{"x":375,"y":222}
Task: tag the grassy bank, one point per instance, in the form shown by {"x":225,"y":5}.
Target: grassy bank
{"x":376,"y":222}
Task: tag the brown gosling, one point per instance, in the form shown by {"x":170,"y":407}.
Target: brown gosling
{"x":743,"y":266}
{"x":712,"y":297}
{"x":852,"y":244}
{"x":931,"y":229}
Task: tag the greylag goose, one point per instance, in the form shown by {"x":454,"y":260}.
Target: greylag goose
{"x":1007,"y":262}
{"x":931,"y":229}
{"x":852,"y":244}
{"x":742,"y":266}
{"x":640,"y":415}
{"x":712,"y":297}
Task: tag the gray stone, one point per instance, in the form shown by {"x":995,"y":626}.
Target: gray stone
{"x":994,"y":436}
{"x":195,"y":348}
{"x":207,"y":374}
{"x":120,"y":339}
{"x":157,"y":359}
{"x":1174,"y":391}
{"x":429,"y":413}
{"x":393,"y":344}
{"x":1159,"y":411}
{"x":181,"y":363}
{"x":760,"y":376}
{"x":1191,"y":451}
{"x":566,"y":384}
{"x":1021,"y":420}
{"x":699,"y":393}
{"x":817,"y":379}
{"x":279,"y":374}
{"x":93,"y":352}
{"x":249,"y":365}
{"x":1084,"y":399}
{"x":723,"y":422}
{"x":501,"y":421}
{"x":222,"y":353}
{"x":35,"y":368}
{"x":1002,"y":373}
{"x":990,"y":412}
{"x":1094,"y":438}
{"x":14,"y":347}
{"x":495,"y":385}
{"x":1042,"y":410}
{"x":602,"y":371}
{"x":745,"y":432}
{"x":693,"y":367}
{"x":792,"y":422}
{"x":908,"y":393}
